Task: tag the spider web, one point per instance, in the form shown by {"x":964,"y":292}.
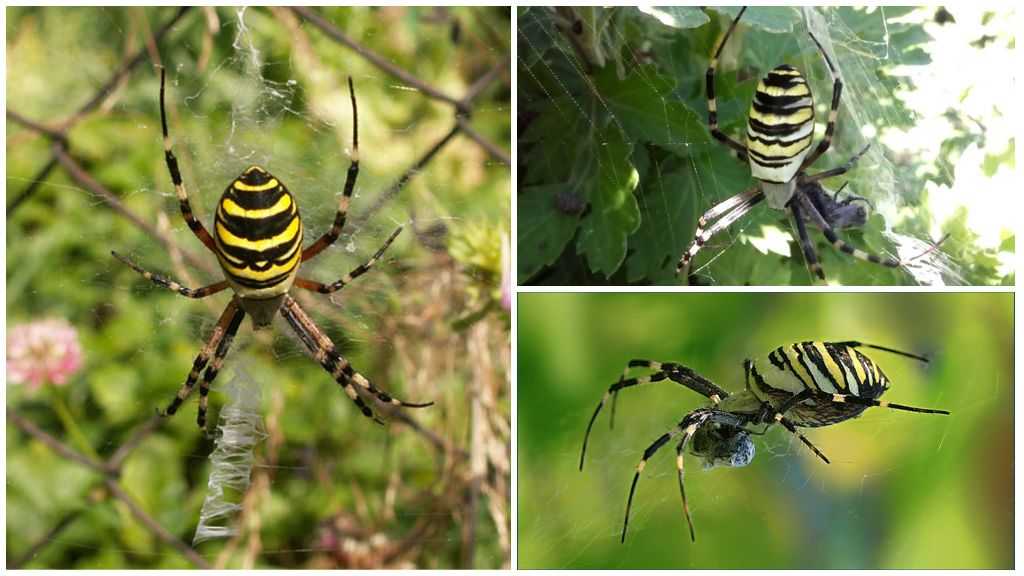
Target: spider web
{"x":859,"y":41}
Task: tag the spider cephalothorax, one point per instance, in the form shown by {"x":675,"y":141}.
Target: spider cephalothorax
{"x":777,"y":145}
{"x":802,"y":385}
{"x":257,"y":239}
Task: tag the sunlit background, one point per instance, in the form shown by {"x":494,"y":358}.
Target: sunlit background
{"x":903,"y":490}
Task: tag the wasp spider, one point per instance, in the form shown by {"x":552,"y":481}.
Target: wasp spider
{"x":780,"y":129}
{"x":257,"y":238}
{"x":808,"y":384}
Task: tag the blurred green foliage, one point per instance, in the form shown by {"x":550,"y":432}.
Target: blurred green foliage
{"x":253,"y":89}
{"x":610,"y":93}
{"x":903,"y":490}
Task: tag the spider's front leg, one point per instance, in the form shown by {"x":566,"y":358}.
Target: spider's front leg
{"x":350,"y":183}
{"x":686,"y":428}
{"x":165,"y":282}
{"x":355,"y":273}
{"x":663,"y":370}
{"x":730,"y":210}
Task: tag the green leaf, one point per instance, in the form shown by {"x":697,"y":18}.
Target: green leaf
{"x":669,"y":209}
{"x":672,"y":198}
{"x":544,"y":230}
{"x":644,"y":105}
{"x":614,"y":213}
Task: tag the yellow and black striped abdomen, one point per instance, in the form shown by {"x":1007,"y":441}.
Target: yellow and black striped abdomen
{"x":258,"y":233}
{"x":780,"y":125}
{"x":827,"y":367}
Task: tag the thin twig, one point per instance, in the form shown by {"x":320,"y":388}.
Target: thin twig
{"x":439,"y":442}
{"x":79,"y":174}
{"x":392,"y":190}
{"x":36,"y":182}
{"x":491,"y":148}
{"x":147,"y":428}
{"x":122,"y":71}
{"x":56,"y":445}
{"x":154,"y":526}
{"x":62,"y":524}
{"x":380,"y":62}
{"x":53,"y":133}
{"x":484,"y":81}
{"x":60,"y":134}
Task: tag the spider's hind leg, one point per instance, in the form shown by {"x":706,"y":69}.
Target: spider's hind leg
{"x":338,"y":367}
{"x":220,"y":341}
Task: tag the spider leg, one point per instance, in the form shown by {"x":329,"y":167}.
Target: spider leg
{"x":682,"y":488}
{"x":686,"y":427}
{"x":788,"y":425}
{"x":837,"y":242}
{"x":214,"y":368}
{"x":654,"y":447}
{"x":838,"y":398}
{"x":232,"y":314}
{"x":833,"y":113}
{"x":838,"y":170}
{"x":730,"y":210}
{"x":355,"y":273}
{"x":675,"y":372}
{"x":856,"y":344}
{"x":709,"y":82}
{"x":166,"y":282}
{"x":774,"y":415}
{"x":179,"y":187}
{"x":810,"y":256}
{"x":350,"y":183}
{"x":337,"y":366}
{"x":850,"y":197}
{"x":849,"y":399}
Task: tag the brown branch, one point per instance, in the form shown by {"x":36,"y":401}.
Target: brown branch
{"x":436,"y":440}
{"x":491,"y":148}
{"x":56,"y":445}
{"x":54,"y":133}
{"x":79,"y":175}
{"x":34,"y":184}
{"x":380,"y":62}
{"x":154,"y":526}
{"x":33,"y":550}
{"x":484,"y":81}
{"x":115,"y":461}
{"x":392,"y":190}
{"x":60,"y":134}
{"x":121,"y":72}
